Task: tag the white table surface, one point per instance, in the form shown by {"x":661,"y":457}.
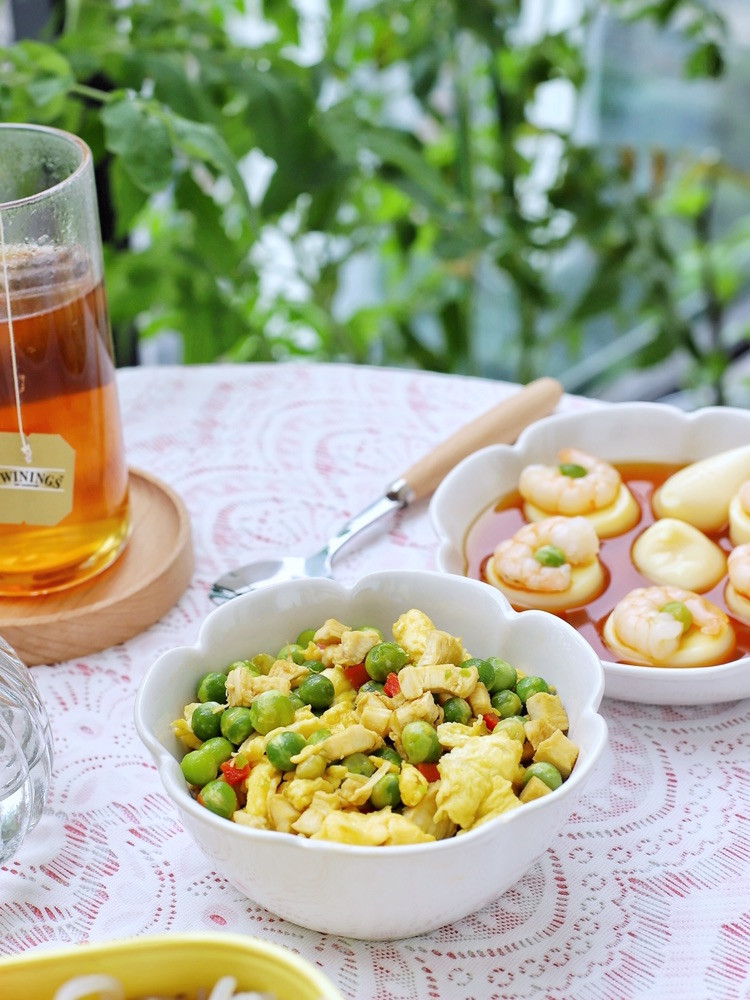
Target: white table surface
{"x":645,"y":894}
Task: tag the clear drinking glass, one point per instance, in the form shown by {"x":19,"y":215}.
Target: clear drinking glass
{"x":64,"y":511}
{"x":27,"y":749}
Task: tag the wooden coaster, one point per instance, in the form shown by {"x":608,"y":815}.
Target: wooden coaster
{"x":134,"y":592}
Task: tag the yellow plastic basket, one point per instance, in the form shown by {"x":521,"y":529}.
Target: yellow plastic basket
{"x":167,"y":965}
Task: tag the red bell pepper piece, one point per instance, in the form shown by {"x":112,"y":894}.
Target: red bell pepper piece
{"x":236,"y":770}
{"x":490,"y":720}
{"x":430,"y":771}
{"x":392,"y":685}
{"x":357,"y":675}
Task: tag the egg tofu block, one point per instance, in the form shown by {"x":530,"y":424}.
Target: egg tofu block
{"x":739,"y":522}
{"x":701,"y":493}
{"x":586,"y":581}
{"x":674,"y":553}
{"x":619,"y":516}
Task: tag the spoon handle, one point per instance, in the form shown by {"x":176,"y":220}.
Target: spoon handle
{"x":500,"y":425}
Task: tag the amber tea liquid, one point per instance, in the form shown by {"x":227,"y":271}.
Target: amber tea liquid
{"x":65,"y":382}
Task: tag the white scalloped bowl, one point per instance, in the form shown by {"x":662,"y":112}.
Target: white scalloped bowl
{"x":620,"y":432}
{"x":378,"y":893}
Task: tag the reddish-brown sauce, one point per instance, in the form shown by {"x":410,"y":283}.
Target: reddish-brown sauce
{"x":506,"y":517}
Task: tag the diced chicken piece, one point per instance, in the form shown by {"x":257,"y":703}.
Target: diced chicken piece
{"x":354,"y":646}
{"x":412,"y":785}
{"x":357,"y":788}
{"x":423,"y":815}
{"x":353,"y":739}
{"x":549,"y":707}
{"x":535,"y":789}
{"x":445,"y":678}
{"x":473,"y":773}
{"x":293,"y":672}
{"x":537,"y":730}
{"x":374,"y":711}
{"x":261,"y":784}
{"x":243,"y":686}
{"x":422,"y":708}
{"x":557,"y":749}
{"x":311,"y":819}
{"x":480,"y":701}
{"x":282,"y":814}
{"x":442,"y":647}
{"x":330,"y":631}
{"x":370,"y":829}
{"x":411,"y":632}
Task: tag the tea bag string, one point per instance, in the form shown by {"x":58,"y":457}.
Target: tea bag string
{"x":25,"y":446}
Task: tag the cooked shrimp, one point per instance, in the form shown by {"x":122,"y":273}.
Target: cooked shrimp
{"x":541,"y":555}
{"x":651,"y":621}
{"x":738,"y":569}
{"x":737,"y":590}
{"x":580,"y":484}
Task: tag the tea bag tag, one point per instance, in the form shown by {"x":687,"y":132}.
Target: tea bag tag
{"x":40,"y":491}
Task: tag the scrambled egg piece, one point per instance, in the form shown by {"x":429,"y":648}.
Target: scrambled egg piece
{"x":477,"y":779}
{"x":411,"y":632}
{"x":371,"y":829}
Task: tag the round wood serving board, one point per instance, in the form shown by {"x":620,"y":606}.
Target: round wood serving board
{"x":133,"y":593}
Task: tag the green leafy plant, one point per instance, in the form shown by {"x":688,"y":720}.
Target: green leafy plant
{"x":380,"y":184}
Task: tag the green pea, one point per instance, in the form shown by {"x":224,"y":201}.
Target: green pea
{"x":319,"y":735}
{"x":317,"y":691}
{"x":213,"y":687}
{"x":385,"y":792}
{"x":420,"y":742}
{"x":572,"y":470}
{"x":385,"y":658}
{"x":199,"y":767}
{"x":219,"y":748}
{"x":220,"y":798}
{"x":529,"y":685}
{"x":506,"y":675}
{"x":305,"y":637}
{"x":314,"y":665}
{"x":245,"y":665}
{"x":507,"y":703}
{"x":372,"y":686}
{"x":236,"y":724}
{"x":292,"y":651}
{"x":484,"y":668}
{"x":312,"y":767}
{"x":271,"y":710}
{"x":550,"y":555}
{"x":282,"y":747}
{"x":359,"y":763}
{"x":547,"y":773}
{"x":389,"y":753}
{"x":206,"y":720}
{"x":296,"y":701}
{"x":457,"y":710}
{"x":680,"y":612}
{"x":513,"y":726}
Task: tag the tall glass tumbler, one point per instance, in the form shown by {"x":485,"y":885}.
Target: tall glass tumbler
{"x":64,"y":509}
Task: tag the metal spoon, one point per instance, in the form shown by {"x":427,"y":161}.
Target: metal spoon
{"x":502,"y":424}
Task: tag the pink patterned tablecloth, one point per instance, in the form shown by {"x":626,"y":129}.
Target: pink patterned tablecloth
{"x":645,"y":894}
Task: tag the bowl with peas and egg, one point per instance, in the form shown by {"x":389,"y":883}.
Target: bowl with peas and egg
{"x":630,"y":521}
{"x":378,"y":760}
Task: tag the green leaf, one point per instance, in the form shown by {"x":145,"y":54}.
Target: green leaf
{"x":142,"y":140}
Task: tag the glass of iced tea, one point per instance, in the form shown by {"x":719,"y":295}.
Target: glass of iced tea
{"x":64,"y":514}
